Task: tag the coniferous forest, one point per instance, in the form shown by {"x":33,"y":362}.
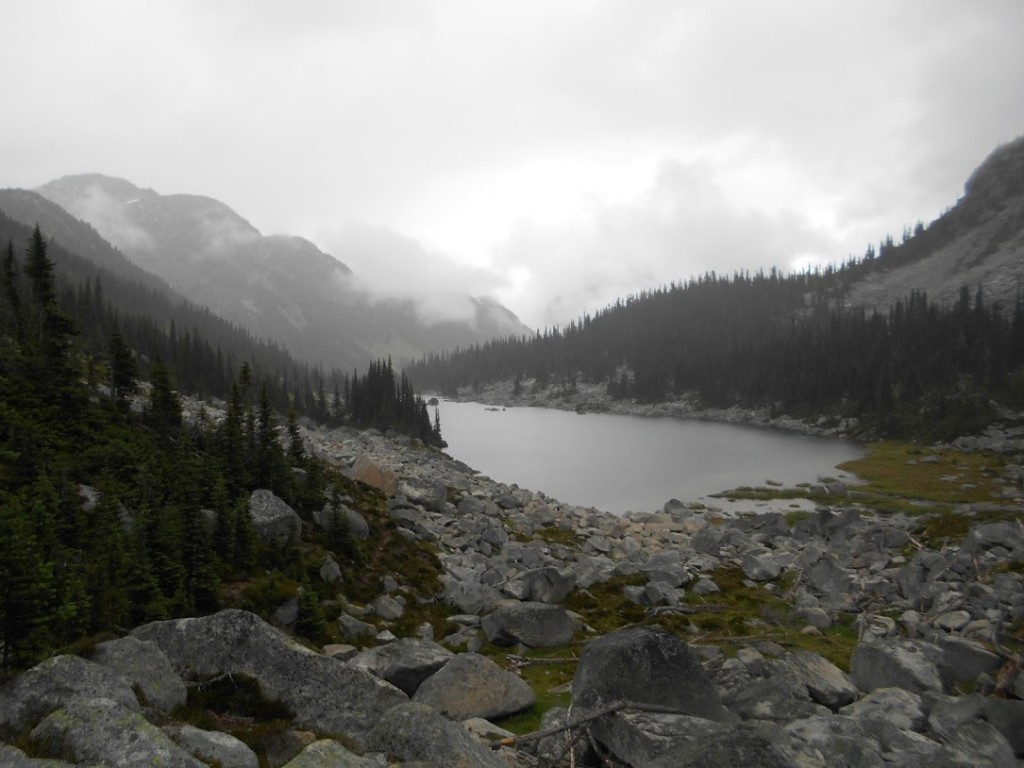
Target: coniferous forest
{"x":785,"y":343}
{"x":105,"y":510}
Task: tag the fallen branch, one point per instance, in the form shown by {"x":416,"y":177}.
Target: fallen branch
{"x":518,"y":661}
{"x":515,"y":741}
{"x":686,"y":610}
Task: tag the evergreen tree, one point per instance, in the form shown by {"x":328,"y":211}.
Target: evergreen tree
{"x":124,"y":370}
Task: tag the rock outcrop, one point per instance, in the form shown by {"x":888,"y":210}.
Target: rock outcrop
{"x":324,"y":695}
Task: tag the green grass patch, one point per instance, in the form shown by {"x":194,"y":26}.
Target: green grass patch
{"x":909,"y":471}
{"x":548,"y":671}
{"x":552,"y":534}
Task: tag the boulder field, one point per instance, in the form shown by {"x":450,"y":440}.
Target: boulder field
{"x":930,"y":675}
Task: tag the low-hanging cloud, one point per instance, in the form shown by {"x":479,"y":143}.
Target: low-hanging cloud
{"x":684,"y":226}
{"x":387,"y":264}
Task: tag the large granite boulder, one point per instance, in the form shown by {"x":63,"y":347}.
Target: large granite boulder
{"x":144,"y":666}
{"x":647,"y":666}
{"x":12,"y":757}
{"x":471,"y":685}
{"x":366,"y":470}
{"x":537,"y":625}
{"x":542,"y":585}
{"x":324,"y":694}
{"x":979,"y":745}
{"x":213,"y":747}
{"x":416,"y":733}
{"x":53,"y":684}
{"x":333,"y":514}
{"x":104,"y":732}
{"x":1007,"y":717}
{"x":327,"y":753}
{"x":274,"y":521}
{"x":648,"y":740}
{"x":895,"y":663}
{"x":826,"y":683}
{"x":405,"y":663}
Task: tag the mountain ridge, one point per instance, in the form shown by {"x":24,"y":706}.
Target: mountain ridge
{"x":979,"y":242}
{"x":280,"y":287}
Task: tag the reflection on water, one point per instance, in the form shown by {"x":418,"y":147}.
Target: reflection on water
{"x":621,"y":463}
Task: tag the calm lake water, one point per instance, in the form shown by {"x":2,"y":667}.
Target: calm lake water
{"x":622,"y":463}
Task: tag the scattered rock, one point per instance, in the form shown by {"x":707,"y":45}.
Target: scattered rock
{"x":366,"y":470}
{"x":648,"y":666}
{"x":105,"y":732}
{"x":903,"y":664}
{"x":471,"y":685}
{"x":54,"y":684}
{"x":328,"y":753}
{"x":417,"y":733}
{"x":405,"y":663}
{"x":325,"y":695}
{"x":537,"y":625}
{"x":210,"y":746}
{"x":145,"y":667}
{"x":274,"y":521}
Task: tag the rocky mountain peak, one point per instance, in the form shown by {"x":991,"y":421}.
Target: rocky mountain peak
{"x":1000,"y":176}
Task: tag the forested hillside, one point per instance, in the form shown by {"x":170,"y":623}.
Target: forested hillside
{"x":860,"y":340}
{"x":777,"y":342}
{"x":110,"y":517}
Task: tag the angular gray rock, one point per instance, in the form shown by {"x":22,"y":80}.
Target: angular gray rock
{"x":331,"y":514}
{"x":405,"y":663}
{"x":678,"y":741}
{"x":901,"y":708}
{"x":962,"y":661}
{"x":418,"y":733}
{"x":979,"y":745}
{"x":947,"y":713}
{"x":826,"y":683}
{"x":388,"y":608}
{"x":104,"y":732}
{"x":537,"y":625}
{"x":274,"y":521}
{"x":542,"y":585}
{"x":12,"y":757}
{"x":210,"y":746}
{"x":53,"y":684}
{"x":327,"y":753}
{"x":325,"y":695}
{"x":471,"y":685}
{"x":1007,"y":717}
{"x":895,"y":663}
{"x":144,"y":666}
{"x":779,"y":698}
{"x":761,"y":566}
{"x":843,"y":741}
{"x":354,"y":629}
{"x":648,"y":666}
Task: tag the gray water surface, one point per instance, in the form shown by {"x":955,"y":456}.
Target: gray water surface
{"x":621,"y":463}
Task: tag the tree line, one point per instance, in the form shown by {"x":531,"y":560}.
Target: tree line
{"x":785,"y":343}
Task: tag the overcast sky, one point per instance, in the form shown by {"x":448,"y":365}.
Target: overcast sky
{"x":555,"y":154}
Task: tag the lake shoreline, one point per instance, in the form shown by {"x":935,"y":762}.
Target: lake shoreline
{"x":593,"y":398}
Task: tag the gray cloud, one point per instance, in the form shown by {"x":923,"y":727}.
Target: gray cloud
{"x":390,"y":265}
{"x":817,"y":126}
{"x":682,"y":227}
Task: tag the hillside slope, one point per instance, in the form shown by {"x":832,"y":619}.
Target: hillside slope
{"x":978,"y":242}
{"x":280,"y":287}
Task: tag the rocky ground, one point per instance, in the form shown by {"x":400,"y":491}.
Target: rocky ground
{"x":842,"y":636}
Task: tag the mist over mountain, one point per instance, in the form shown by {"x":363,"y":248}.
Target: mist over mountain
{"x":280,"y":287}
